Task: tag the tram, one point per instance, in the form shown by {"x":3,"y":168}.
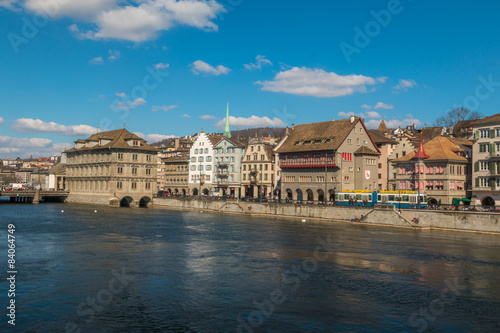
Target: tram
{"x":400,"y":199}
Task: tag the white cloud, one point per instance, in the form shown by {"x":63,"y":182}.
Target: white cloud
{"x":86,"y":9}
{"x":206,"y":117}
{"x":24,"y":147}
{"x":367,"y":115}
{"x":185,"y":115}
{"x":122,"y":95}
{"x":2,"y":121}
{"x":9,"y":4}
{"x":10,"y":142}
{"x":316,"y":82}
{"x":113,"y":55}
{"x":366,"y":106}
{"x":161,"y":65}
{"x":404,"y":85}
{"x":260,"y":61}
{"x":253,"y":121}
{"x":394,"y":123}
{"x":139,"y":101}
{"x":96,"y":61}
{"x":144,"y":19}
{"x":381,"y":105}
{"x":29,"y":125}
{"x":164,"y":108}
{"x":152,"y":138}
{"x":201,"y":67}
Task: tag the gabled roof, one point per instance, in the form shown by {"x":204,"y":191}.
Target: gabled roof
{"x":440,"y":148}
{"x":326,"y":135}
{"x":379,"y":138}
{"x":364,"y":150}
{"x":233,"y":141}
{"x":491,"y":119}
{"x":117,"y":140}
{"x":57,"y":169}
{"x":214,"y":138}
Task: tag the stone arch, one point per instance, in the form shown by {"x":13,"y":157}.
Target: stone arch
{"x":144,"y":202}
{"x":183,"y":191}
{"x":432,"y":201}
{"x":321,"y":195}
{"x":299,"y":194}
{"x":195,"y":191}
{"x":488,"y":201}
{"x":289,"y":194}
{"x":126,"y":201}
{"x":169,"y":191}
{"x":205,"y":191}
{"x":310,"y":195}
{"x":331,"y":195}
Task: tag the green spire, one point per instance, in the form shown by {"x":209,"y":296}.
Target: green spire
{"x":227,"y":132}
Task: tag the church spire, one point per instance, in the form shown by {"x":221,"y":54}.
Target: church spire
{"x":227,"y":131}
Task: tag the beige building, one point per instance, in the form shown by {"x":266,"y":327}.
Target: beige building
{"x":486,"y":161}
{"x":176,"y":174}
{"x":443,"y":172}
{"x":325,"y":157}
{"x":403,"y":147}
{"x":112,"y":168}
{"x":385,"y":146}
{"x":257,"y":169}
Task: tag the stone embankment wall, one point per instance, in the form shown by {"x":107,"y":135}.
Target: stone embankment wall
{"x":381,"y":215}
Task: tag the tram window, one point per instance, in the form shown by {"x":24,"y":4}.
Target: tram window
{"x":379,"y":197}
{"x":406,"y":198}
{"x":336,"y":197}
{"x":358,"y":196}
{"x":346,"y":196}
{"x":391,"y":197}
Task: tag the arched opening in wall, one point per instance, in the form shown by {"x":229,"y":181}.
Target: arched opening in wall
{"x":310,"y":195}
{"x":195,"y":191}
{"x":488,"y":201}
{"x":205,"y":191}
{"x":321,"y":195}
{"x":331,"y":195}
{"x":176,"y":191}
{"x":126,"y":201}
{"x":144,"y":201}
{"x":169,"y":191}
{"x":300,"y":196}
{"x":432,"y":201}
{"x":183,"y":192}
{"x":289,"y":194}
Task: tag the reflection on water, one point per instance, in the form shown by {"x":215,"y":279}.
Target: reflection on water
{"x":200,"y":272}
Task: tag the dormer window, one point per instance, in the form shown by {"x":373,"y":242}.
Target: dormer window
{"x":135,"y":143}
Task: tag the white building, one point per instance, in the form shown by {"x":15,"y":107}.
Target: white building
{"x":201,"y":164}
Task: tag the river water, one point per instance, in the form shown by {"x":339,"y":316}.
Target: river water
{"x":156,"y":270}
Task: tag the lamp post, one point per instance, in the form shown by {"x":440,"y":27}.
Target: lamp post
{"x":399,"y":201}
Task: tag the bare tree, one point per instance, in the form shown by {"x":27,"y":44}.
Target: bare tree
{"x":452,"y":117}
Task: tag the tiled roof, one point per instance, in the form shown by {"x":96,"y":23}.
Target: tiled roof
{"x":383,"y":127}
{"x":364,"y":150}
{"x":326,"y":135}
{"x":379,"y":138}
{"x":214,"y":138}
{"x":236,"y":142}
{"x":117,"y":140}
{"x":491,"y":119}
{"x":440,"y":148}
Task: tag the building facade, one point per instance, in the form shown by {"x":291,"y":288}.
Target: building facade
{"x":228,"y":155}
{"x":201,"y":164}
{"x":176,"y":174}
{"x":403,"y":147}
{"x":112,"y":168}
{"x":442,"y":173}
{"x":258,"y":169}
{"x":385,"y":146}
{"x":486,"y":161}
{"x":318,"y":159}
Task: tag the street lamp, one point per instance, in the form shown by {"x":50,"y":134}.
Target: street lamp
{"x":399,"y":201}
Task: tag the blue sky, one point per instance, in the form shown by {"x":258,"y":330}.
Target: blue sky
{"x":166,"y":67}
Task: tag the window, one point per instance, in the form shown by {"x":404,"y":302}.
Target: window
{"x":349,"y":141}
{"x":209,"y":168}
{"x":483,"y":182}
{"x":485,"y":133}
{"x":193,"y":159}
{"x":120,"y":156}
{"x":484,"y":165}
{"x":120,"y":170}
{"x":134,"y":185}
{"x":248,"y":157}
{"x":346,"y":180}
{"x":347,"y":156}
{"x":244,"y":176}
{"x":148,"y":171}
{"x":135,"y":143}
{"x":484,"y":147}
{"x":200,"y":159}
{"x":206,"y":150}
{"x":209,"y":158}
{"x":244,"y":167}
{"x":265,"y":176}
{"x":148,"y":186}
{"x":265,"y":167}
{"x":148,"y":158}
{"x":357,"y":141}
{"x":134,"y":157}
{"x":196,"y":151}
{"x":193,"y":167}
{"x":134,"y":171}
{"x":258,"y":148}
{"x":119,"y":185}
{"x":262,"y":157}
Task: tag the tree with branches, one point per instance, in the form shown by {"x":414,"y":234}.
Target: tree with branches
{"x":452,"y":117}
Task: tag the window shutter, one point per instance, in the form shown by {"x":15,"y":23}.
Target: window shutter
{"x":492,"y":133}
{"x":476,"y":135}
{"x":477,"y":182}
{"x":492,"y":149}
{"x":492,"y":184}
{"x":476,"y":166}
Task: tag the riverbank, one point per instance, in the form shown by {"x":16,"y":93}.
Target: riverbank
{"x":385,"y":215}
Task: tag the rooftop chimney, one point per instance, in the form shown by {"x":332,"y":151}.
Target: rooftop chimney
{"x":352,"y":119}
